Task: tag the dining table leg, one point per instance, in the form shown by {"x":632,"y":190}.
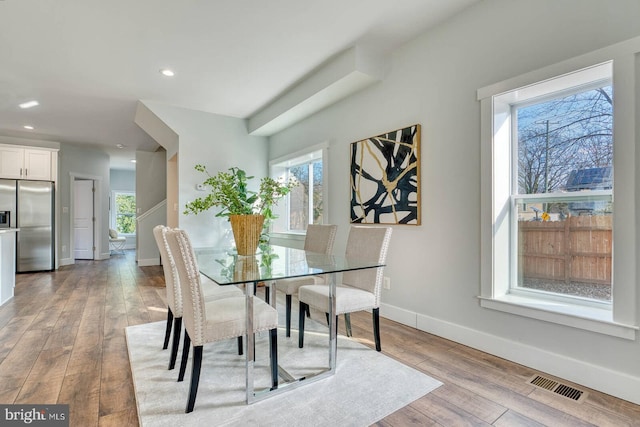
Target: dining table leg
{"x":250,"y":340}
{"x":333,"y":330}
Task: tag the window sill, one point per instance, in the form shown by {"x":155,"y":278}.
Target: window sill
{"x":592,"y":319}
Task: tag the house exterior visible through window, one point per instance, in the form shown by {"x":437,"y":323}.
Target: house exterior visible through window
{"x":123,"y":213}
{"x":305,"y":200}
{"x":559,"y":195}
{"x":306,"y":203}
{"x":562,"y":191}
{"x":552,"y":188}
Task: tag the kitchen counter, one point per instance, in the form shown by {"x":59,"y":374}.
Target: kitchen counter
{"x":7,"y":263}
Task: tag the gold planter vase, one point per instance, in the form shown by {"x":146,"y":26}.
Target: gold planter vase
{"x":246,"y":232}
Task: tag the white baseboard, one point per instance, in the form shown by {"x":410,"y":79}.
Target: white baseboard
{"x":66,"y":261}
{"x":71,"y":261}
{"x":399,"y":315}
{"x":599,"y":378}
{"x":148,"y":262}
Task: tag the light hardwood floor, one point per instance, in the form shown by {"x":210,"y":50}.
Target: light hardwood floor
{"x":62,"y":341}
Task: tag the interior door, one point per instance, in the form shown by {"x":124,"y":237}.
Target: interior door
{"x":83,"y":219}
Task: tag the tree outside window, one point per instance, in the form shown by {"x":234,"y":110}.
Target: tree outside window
{"x":305,"y":200}
{"x":563,"y":198}
{"x":564,"y":135}
{"x":305,"y":204}
{"x":125,"y":213}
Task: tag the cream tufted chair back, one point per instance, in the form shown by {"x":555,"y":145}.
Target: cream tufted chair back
{"x":174,"y":296}
{"x":370,"y":243}
{"x":320,"y":238}
{"x":194,"y":313}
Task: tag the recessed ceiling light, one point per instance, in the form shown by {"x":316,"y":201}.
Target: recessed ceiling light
{"x":167,"y":72}
{"x":119,"y":145}
{"x":29,"y":127}
{"x":29,"y":104}
{"x":133,"y":160}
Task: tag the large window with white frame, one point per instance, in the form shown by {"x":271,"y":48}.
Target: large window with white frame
{"x":306,"y":203}
{"x":550,"y":244}
{"x":562,"y":187}
{"x":123,"y":212}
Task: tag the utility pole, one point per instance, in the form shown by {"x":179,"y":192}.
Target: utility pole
{"x":546,"y":159}
{"x":546,"y":151}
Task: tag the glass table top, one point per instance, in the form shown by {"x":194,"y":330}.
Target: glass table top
{"x":225,"y":267}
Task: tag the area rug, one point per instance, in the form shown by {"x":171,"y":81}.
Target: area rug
{"x":366,"y":387}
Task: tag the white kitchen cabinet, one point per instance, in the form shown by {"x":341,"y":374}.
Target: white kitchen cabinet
{"x":27,"y":163}
{"x":11,"y":162}
{"x":37,"y":164}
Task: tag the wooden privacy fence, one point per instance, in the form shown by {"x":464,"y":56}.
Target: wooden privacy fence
{"x":577,"y":249}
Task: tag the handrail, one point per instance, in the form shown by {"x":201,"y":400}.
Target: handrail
{"x":152,"y":210}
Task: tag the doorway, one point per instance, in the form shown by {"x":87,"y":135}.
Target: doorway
{"x":83,"y":219}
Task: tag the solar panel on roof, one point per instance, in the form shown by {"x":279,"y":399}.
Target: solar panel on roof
{"x":589,"y":179}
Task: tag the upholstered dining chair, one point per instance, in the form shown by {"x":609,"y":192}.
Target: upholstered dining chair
{"x":319,"y":239}
{"x":174,"y":295}
{"x":359,"y":289}
{"x":215,"y":320}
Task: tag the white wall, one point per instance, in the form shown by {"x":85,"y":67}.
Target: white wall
{"x":218,"y":142}
{"x":151,"y":191}
{"x":435,"y":268}
{"x":87,"y":163}
{"x":122,"y":180}
{"x":151,"y":176}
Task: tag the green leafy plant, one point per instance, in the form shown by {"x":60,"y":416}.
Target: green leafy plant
{"x":229,"y":192}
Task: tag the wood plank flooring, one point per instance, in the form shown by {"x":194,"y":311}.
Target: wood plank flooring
{"x":62,"y":341}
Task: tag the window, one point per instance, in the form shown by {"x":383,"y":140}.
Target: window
{"x":123,"y":213}
{"x":562,"y":192}
{"x":306,"y":202}
{"x":550,"y":226}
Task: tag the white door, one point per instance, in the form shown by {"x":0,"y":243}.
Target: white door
{"x":83,"y":219}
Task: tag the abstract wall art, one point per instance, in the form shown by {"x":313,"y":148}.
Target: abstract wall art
{"x":385,"y":178}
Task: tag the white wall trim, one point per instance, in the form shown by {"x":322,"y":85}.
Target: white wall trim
{"x":496,"y":202}
{"x":66,"y":261}
{"x":148,"y":262}
{"x":615,"y":383}
{"x":399,"y":315}
{"x":595,"y":319}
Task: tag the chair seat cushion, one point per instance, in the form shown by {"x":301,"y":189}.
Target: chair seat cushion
{"x":212,"y":291}
{"x":226,"y":318}
{"x":348,"y":299}
{"x":291,"y":286}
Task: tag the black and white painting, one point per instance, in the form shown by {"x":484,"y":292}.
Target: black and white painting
{"x":385,"y":178}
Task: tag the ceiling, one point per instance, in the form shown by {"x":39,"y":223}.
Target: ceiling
{"x":88,"y":62}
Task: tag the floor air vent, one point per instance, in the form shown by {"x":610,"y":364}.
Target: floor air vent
{"x":558,"y":388}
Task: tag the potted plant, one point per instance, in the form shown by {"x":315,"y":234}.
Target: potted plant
{"x":249,"y":212}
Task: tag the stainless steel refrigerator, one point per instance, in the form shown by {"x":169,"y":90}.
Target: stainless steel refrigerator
{"x":31,"y":208}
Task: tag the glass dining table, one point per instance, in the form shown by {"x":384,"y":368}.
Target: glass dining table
{"x":268,"y":266}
